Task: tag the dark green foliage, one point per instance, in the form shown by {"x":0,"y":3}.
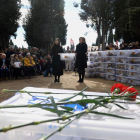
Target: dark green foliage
{"x":105,"y":15}
{"x":127,"y":23}
{"x":44,"y":22}
{"x":99,"y":15}
{"x":9,"y":16}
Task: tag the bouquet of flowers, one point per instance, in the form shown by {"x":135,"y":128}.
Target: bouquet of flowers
{"x":121,"y":90}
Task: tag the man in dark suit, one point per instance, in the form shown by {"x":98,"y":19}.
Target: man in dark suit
{"x":4,"y":66}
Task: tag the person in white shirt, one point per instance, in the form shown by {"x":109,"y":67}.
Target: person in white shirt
{"x":68,"y":62}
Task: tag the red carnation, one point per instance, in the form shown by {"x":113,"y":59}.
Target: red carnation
{"x":117,"y":88}
{"x":131,"y":91}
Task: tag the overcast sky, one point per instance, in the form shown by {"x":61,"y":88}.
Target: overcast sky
{"x":76,"y":27}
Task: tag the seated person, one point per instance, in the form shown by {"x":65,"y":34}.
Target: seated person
{"x":29,"y":64}
{"x":4,"y":67}
{"x":48,"y":66}
{"x":37,"y":63}
{"x":20,"y":58}
{"x":42,"y":63}
{"x":16,"y":65}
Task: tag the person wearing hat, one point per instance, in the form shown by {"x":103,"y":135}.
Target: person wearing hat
{"x":29,"y":64}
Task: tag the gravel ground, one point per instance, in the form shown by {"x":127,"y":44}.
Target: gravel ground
{"x":68,"y":81}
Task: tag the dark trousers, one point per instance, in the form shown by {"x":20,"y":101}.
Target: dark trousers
{"x":81,"y":73}
{"x":4,"y":72}
{"x":30,"y":70}
{"x":49,"y":71}
{"x":38,"y":66}
{"x":17,"y":72}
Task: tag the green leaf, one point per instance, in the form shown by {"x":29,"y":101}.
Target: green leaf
{"x":62,"y":112}
{"x":82,"y":103}
{"x":86,"y":101}
{"x":120,"y":106}
{"x":55,"y":106}
{"x":67,"y":108}
{"x":108,"y":114}
{"x":66,"y":99}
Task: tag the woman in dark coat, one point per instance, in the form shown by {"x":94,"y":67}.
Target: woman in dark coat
{"x":57,"y":64}
{"x":81,"y":58}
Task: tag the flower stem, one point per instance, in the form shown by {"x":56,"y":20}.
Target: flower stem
{"x":5,"y":129}
{"x":58,"y":130}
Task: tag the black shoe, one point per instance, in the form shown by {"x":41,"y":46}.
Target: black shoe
{"x":55,"y":80}
{"x":79,"y":81}
{"x":58,"y":81}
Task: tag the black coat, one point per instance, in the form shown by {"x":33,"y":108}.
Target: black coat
{"x":57,"y":64}
{"x":81,"y":57}
{"x":7,"y":63}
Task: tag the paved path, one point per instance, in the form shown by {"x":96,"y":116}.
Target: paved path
{"x":68,"y":81}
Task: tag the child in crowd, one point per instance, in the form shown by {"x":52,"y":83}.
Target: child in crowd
{"x":42,"y":63}
{"x":48,"y":66}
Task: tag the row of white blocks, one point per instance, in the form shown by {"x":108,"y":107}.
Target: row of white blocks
{"x":122,"y":66}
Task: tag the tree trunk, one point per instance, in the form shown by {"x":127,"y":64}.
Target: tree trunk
{"x":103,"y":35}
{"x":106,"y":37}
{"x":99,"y":34}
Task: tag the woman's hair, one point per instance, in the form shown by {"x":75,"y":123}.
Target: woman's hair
{"x":55,"y":40}
{"x":83,"y":39}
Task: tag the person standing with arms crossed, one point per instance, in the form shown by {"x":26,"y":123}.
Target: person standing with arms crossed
{"x":57,"y":64}
{"x":81,"y":58}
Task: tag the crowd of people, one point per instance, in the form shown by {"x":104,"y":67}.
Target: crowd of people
{"x":124,"y":46}
{"x":15,"y":63}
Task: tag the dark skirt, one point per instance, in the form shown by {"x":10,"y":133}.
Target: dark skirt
{"x":57,"y":66}
{"x":81,"y":61}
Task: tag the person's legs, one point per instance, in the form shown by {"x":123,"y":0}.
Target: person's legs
{"x":55,"y":79}
{"x":51,"y":72}
{"x":83,"y":75}
{"x":80,"y":74}
{"x":15,"y":72}
{"x":6,"y":73}
{"x":32,"y":70}
{"x":69,"y":65}
{"x":2,"y":72}
{"x":18,"y":72}
{"x":38,"y":68}
{"x":28,"y":70}
{"x":58,"y":78}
